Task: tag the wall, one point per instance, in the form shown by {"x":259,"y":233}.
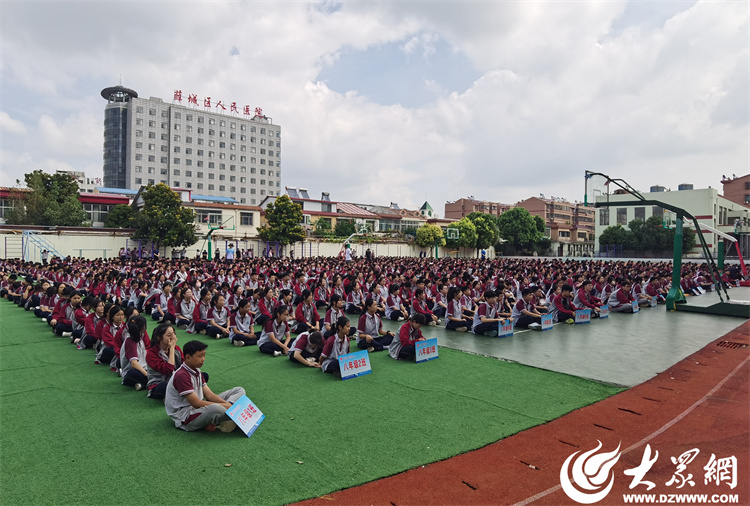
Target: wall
{"x":106,"y":243}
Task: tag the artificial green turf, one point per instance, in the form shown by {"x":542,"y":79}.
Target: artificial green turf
{"x":70,"y":433}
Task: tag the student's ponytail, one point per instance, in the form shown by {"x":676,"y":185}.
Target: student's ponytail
{"x":341,"y":322}
{"x":136,"y":327}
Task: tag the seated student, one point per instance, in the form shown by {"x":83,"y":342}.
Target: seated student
{"x":487,"y":316}
{"x":355,"y":301}
{"x":653,"y":290}
{"x":27,"y":293}
{"x":370,"y":333}
{"x":540,"y":302}
{"x":322,"y":294}
{"x":403,"y":347}
{"x":200,"y":313}
{"x":218,"y":318}
{"x":419,"y":306}
{"x":636,"y":291}
{"x":306,"y":349}
{"x":467,"y":302}
{"x":265,"y":306}
{"x":241,"y":326}
{"x":62,"y":316}
{"x":335,"y":312}
{"x":524,"y":313}
{"x":160,"y":304}
{"x":90,"y":335}
{"x":306,"y":315}
{"x":300,"y":284}
{"x":337,"y":345}
{"x":454,"y":316}
{"x":188,"y":400}
{"x":621,"y":301}
{"x":563,"y":307}
{"x":585,"y":298}
{"x":79,"y":318}
{"x":133,"y":353}
{"x":185,"y":311}
{"x":163,"y":357}
{"x":394,"y":309}
{"x":274,"y":331}
{"x":45,"y":294}
{"x":112,"y":327}
{"x":441,"y":301}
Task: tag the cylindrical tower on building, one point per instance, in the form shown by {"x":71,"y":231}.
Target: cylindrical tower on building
{"x":116,"y":134}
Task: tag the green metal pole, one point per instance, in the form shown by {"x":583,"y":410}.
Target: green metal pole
{"x":675,"y":295}
{"x":210,"y":251}
{"x":720,"y":262}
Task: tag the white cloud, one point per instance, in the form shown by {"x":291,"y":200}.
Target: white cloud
{"x":10,"y":125}
{"x":557,"y":91}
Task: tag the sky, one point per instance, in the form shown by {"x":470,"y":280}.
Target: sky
{"x":402,"y":102}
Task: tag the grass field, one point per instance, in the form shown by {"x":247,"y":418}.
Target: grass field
{"x":70,"y":433}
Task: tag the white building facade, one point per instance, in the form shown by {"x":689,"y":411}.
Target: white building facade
{"x":705,"y":204}
{"x":230,"y":153}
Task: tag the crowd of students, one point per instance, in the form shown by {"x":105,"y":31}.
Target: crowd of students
{"x":103,"y":305}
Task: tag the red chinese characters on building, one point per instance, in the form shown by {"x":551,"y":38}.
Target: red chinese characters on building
{"x":219,"y":104}
{"x":178,"y":95}
{"x":259,"y":112}
{"x":246,"y":110}
{"x":193,"y":99}
{"x":207,"y":102}
{"x":233,"y":107}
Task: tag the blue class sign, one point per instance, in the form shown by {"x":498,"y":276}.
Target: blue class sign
{"x":603,"y":311}
{"x":505,"y":329}
{"x":546,"y":322}
{"x":583,"y":316}
{"x":426,"y":350}
{"x":354,"y":364}
{"x":635,"y":306}
{"x":246,"y":415}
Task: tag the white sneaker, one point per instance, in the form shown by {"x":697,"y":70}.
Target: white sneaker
{"x":276,"y":353}
{"x":370,"y":349}
{"x":238,"y":343}
{"x":44,"y":319}
{"x":400,"y":318}
{"x":67,"y":334}
{"x":432,"y":324}
{"x":227,"y":426}
{"x":138,"y":387}
{"x":461,"y":329}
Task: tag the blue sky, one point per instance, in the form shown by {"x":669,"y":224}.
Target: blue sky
{"x":402,"y":101}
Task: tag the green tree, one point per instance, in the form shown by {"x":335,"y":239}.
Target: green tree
{"x":121,"y":216}
{"x":430,"y":235}
{"x":283,"y":218}
{"x":616,"y":235}
{"x":52,"y":201}
{"x":163,"y":220}
{"x":520,"y":229}
{"x":487,"y":231}
{"x":322,"y":228}
{"x":467,"y":234}
{"x":345,"y":228}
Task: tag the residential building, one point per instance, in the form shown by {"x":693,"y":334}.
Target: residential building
{"x":463,"y":207}
{"x":216,"y":150}
{"x":705,"y":204}
{"x":570,"y":226}
{"x":85,"y":184}
{"x":737,"y":189}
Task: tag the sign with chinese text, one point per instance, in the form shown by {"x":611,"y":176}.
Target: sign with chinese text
{"x":426,"y":350}
{"x":583,"y":316}
{"x":635,"y":306}
{"x":546,"y":322}
{"x":505,"y":329}
{"x":354,"y":364}
{"x":246,"y":415}
{"x":604,"y":311}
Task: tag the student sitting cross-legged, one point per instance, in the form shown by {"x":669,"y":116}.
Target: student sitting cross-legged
{"x":190,"y":403}
{"x":370,"y":335}
{"x":524,"y":313}
{"x":404,"y":346}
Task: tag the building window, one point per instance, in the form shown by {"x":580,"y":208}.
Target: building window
{"x":604,"y":217}
{"x":222,"y":177}
{"x":232,"y":189}
{"x":200,"y":186}
{"x":188,"y":185}
{"x":188,"y":162}
{"x":210,"y":175}
{"x":152,"y":112}
{"x":243,"y":189}
{"x":176,"y":161}
{"x":177,"y":149}
{"x":199,"y":175}
{"x":138,"y":180}
{"x":622,"y":215}
{"x":208,"y":217}
{"x":222,"y":188}
{"x":200,"y":163}
{"x":640,"y":213}
{"x":176,"y":184}
{"x":246,"y":219}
